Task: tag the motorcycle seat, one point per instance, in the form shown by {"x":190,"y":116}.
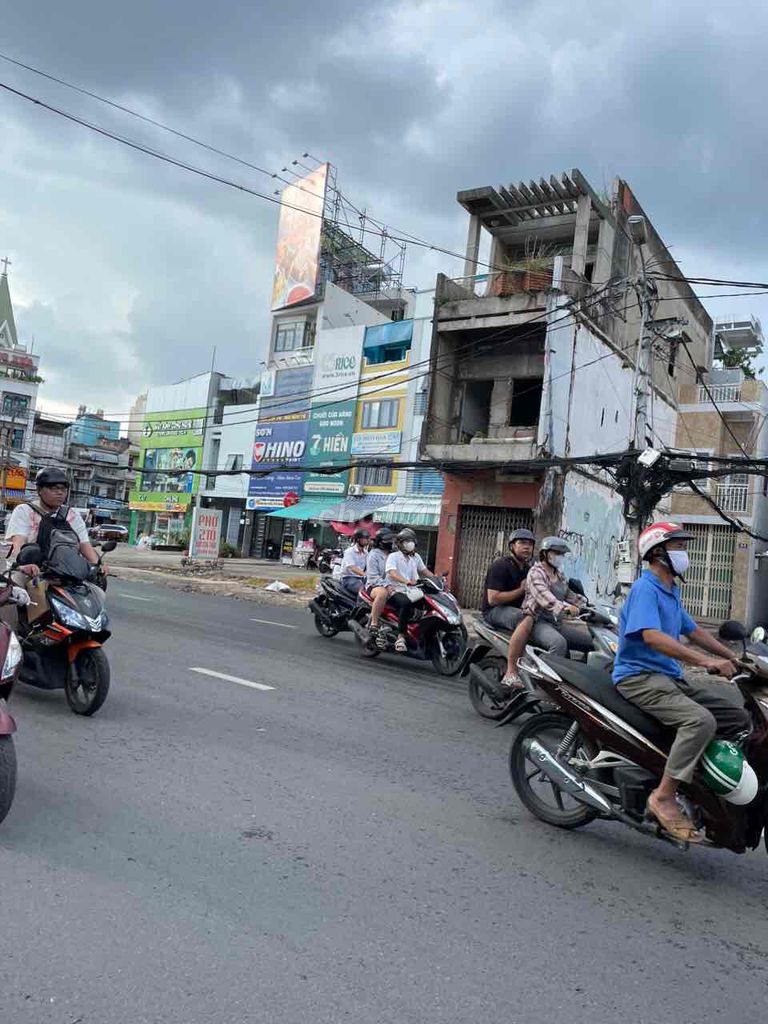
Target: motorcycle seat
{"x":597,"y":684}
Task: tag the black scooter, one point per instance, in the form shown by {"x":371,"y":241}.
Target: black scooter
{"x":62,"y":634}
{"x":332,"y":607}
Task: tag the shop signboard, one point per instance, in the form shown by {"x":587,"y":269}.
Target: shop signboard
{"x":290,"y":395}
{"x":376,"y":442}
{"x":206,"y":533}
{"x":329,"y":441}
{"x":283,"y":444}
{"x":298,"y":239}
{"x":171,"y":451}
{"x":338,"y":360}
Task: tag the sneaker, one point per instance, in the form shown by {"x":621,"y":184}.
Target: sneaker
{"x":400,"y":645}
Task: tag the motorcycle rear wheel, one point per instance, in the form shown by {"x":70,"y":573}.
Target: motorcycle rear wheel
{"x":545,"y":800}
{"x":484,"y":705}
{"x":7,"y":774}
{"x":89,"y":690}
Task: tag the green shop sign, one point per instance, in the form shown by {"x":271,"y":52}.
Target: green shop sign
{"x":328,"y":445}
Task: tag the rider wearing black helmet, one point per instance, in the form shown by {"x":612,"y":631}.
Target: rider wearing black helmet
{"x":52,"y":489}
{"x":354,"y":561}
{"x":505,"y":582}
{"x":404,"y":569}
{"x":376,"y":579}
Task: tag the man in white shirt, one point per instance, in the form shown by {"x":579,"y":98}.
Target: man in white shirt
{"x":354,"y":562}
{"x":24,"y":523}
{"x":404,"y":569}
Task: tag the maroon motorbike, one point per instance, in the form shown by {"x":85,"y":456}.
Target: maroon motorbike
{"x":10,"y":661}
{"x":587,"y":752}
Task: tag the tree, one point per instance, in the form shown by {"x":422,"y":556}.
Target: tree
{"x":738,"y":359}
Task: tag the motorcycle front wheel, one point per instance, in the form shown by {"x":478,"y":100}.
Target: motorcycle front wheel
{"x":7,"y":774}
{"x":448,"y":649}
{"x":86,"y":687}
{"x":541,"y":796}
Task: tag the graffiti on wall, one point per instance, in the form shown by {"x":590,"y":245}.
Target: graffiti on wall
{"x":594,"y":526}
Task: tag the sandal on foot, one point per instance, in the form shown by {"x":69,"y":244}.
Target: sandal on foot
{"x":679,"y":826}
{"x":400,"y":645}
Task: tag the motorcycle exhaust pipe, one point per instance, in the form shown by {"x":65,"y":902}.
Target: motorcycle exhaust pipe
{"x":566,"y":780}
{"x":320,"y":612}
{"x":500,"y":694}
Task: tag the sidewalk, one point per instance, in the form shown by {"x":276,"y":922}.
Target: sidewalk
{"x":232,"y":568}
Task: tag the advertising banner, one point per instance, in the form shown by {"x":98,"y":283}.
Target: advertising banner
{"x":338,"y":361}
{"x":290,"y":395}
{"x":376,"y":442}
{"x":171,"y":447}
{"x":206,"y":533}
{"x":281,"y":443}
{"x":329,"y":443}
{"x":298,"y":239}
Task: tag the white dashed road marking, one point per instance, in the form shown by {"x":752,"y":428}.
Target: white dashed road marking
{"x":270,"y":622}
{"x":232,"y":679}
{"x":134,"y":597}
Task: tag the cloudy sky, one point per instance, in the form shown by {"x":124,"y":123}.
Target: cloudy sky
{"x":126,"y":271}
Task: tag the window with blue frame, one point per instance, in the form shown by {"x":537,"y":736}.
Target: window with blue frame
{"x":388,"y":343}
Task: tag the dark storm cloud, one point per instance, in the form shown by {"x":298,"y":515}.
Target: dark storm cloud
{"x":149,"y":268}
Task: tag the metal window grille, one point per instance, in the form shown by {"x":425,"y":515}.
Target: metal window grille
{"x":709,"y":580}
{"x":483,"y":533}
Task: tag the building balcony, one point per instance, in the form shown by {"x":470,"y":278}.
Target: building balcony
{"x":489,"y":451}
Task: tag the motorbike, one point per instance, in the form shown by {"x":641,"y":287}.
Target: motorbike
{"x":10,"y":660}
{"x":332,"y":607}
{"x":436,"y":632}
{"x":326,"y":560}
{"x":593,"y":754}
{"x":594,"y":640}
{"x":63,"y":632}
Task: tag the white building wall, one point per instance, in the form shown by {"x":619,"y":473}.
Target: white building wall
{"x":235,"y":437}
{"x":194,"y":393}
{"x":593,"y":524}
{"x":340,"y":309}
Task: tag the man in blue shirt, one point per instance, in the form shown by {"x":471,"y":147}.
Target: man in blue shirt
{"x":648,"y":670}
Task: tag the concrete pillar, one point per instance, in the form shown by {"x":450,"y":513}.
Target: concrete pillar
{"x":604,"y":261}
{"x":473,"y":247}
{"x":581,"y":235}
{"x":498,"y":419}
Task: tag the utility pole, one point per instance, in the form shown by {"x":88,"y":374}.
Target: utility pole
{"x":638,"y":230}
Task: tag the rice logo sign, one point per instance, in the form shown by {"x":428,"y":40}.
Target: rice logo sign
{"x":278,"y":452}
{"x":334,"y":365}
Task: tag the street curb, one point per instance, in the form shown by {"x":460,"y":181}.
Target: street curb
{"x":218,"y":588}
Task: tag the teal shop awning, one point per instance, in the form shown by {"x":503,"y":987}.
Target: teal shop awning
{"x":307,"y":508}
{"x":411,"y":510}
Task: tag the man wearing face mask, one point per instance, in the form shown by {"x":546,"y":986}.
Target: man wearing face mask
{"x":648,"y":671}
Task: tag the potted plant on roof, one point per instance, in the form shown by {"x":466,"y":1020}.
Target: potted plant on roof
{"x":530,"y":271}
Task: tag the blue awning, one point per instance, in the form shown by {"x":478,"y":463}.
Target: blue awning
{"x":399,"y":332}
{"x":411,"y":510}
{"x":307,"y":508}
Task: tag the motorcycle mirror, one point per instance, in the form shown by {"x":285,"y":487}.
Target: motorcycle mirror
{"x":758,"y":635}
{"x":577,"y":587}
{"x":109,"y":546}
{"x":30,"y":554}
{"x":732,"y":631}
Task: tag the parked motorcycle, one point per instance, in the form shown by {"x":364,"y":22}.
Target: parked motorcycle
{"x":594,"y":754}
{"x":592,"y":638}
{"x":328,"y":559}
{"x":331,"y":607}
{"x":62,"y":634}
{"x":435,"y":633}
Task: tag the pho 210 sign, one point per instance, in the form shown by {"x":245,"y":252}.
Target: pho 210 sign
{"x":206,"y":533}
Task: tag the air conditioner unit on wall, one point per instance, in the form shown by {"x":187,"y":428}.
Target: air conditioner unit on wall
{"x":355,"y":490}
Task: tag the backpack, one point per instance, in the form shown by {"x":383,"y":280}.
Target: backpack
{"x":54,"y":531}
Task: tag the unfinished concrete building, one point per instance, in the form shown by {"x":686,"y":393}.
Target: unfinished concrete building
{"x":534,"y":355}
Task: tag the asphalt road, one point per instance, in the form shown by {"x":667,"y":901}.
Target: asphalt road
{"x":345,"y":846}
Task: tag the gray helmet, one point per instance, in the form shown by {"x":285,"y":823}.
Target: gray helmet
{"x":556,"y":544}
{"x":50,"y":477}
{"x":521,"y":535}
{"x":406,"y":534}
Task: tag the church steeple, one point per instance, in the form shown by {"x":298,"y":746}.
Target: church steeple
{"x":8,"y":336}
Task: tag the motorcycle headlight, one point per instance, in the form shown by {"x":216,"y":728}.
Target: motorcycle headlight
{"x":12,"y":658}
{"x":70,"y":616}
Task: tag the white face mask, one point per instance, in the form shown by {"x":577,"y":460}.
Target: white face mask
{"x":556,"y":561}
{"x":679,"y":561}
{"x":409,"y":546}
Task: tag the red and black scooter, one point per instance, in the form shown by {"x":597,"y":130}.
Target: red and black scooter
{"x":435,"y":633}
{"x":587,"y":752}
{"x":10,"y":660}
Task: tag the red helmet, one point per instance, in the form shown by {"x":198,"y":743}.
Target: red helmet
{"x":660,"y":533}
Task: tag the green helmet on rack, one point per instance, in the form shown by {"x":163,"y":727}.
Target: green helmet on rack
{"x":728,"y":773}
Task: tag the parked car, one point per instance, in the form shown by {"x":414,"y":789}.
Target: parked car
{"x":108,"y":531}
